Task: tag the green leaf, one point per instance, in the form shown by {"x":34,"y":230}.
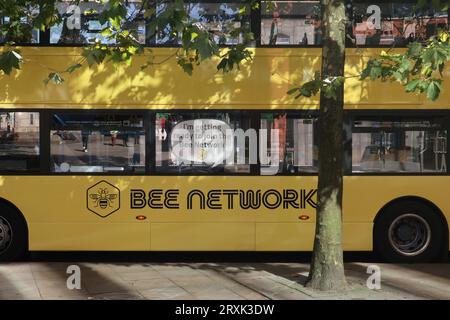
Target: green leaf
{"x":414,"y":49}
{"x":412,"y":85}
{"x":434,"y":89}
{"x":53,"y":77}
{"x":187,"y":67}
{"x":223,"y":65}
{"x":73,"y":68}
{"x":10,"y":60}
{"x":292,"y":91}
{"x":433,"y":56}
{"x":375,"y":72}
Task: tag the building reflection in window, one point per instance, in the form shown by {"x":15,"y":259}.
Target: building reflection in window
{"x":409,"y":146}
{"x":87,"y":28}
{"x":293,"y":145}
{"x":291,"y":23}
{"x":377,"y":23}
{"x":220,"y":19}
{"x":19,"y":141}
{"x":97,"y":143}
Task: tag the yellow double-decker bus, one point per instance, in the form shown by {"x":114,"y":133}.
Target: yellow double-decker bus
{"x":119,"y":159}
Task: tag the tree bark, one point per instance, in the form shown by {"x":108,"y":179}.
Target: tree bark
{"x":327,"y":267}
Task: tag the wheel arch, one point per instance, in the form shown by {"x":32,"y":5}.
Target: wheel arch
{"x":7,"y":203}
{"x":424,"y":201}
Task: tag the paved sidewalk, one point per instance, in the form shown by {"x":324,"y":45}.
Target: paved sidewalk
{"x":47,"y":280}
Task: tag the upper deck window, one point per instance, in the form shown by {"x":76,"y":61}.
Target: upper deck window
{"x":219,"y":18}
{"x":291,"y":23}
{"x":80,"y":24}
{"x":382,"y":23}
{"x":19,"y":29}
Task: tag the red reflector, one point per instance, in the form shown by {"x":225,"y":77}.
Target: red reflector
{"x":303,"y":217}
{"x":140,"y":218}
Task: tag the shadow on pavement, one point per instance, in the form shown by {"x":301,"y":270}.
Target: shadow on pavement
{"x":300,"y":257}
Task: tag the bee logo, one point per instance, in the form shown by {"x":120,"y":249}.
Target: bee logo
{"x":103,"y":199}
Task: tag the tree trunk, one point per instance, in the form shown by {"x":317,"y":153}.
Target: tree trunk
{"x":327,"y":267}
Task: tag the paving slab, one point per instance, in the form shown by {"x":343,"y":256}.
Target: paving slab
{"x":212,"y":280}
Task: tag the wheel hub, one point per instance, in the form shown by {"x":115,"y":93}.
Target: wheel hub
{"x":5,"y":234}
{"x":405,"y":233}
{"x":410,"y":234}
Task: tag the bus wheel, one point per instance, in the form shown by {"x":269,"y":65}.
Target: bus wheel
{"x":13,"y":234}
{"x":409,"y":231}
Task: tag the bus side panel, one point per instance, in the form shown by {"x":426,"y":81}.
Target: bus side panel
{"x":365,"y":196}
{"x":284,"y":236}
{"x":59,"y":219}
{"x":228,"y":236}
{"x":357,"y":236}
{"x":62,"y":215}
{"x":89,"y":237}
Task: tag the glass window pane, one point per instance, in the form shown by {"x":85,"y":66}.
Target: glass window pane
{"x":290,"y":143}
{"x":19,"y":141}
{"x":378,"y":23}
{"x":97,"y":143}
{"x":291,"y":23}
{"x":19,"y":29}
{"x":80,"y":24}
{"x":204,"y":142}
{"x":220,"y":19}
{"x":411,"y":146}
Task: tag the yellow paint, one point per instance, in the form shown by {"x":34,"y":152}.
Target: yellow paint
{"x":261,"y":83}
{"x":58,"y":218}
{"x":203,"y":236}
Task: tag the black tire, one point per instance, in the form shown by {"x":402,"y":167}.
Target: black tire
{"x":388,"y":243}
{"x":13,"y":234}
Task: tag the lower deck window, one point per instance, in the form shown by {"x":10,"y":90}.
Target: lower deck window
{"x":97,"y":143}
{"x":292,"y":144}
{"x":19,"y":141}
{"x":418,"y":146}
{"x":204,"y":143}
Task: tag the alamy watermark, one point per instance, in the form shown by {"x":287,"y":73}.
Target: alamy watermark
{"x":74,"y":279}
{"x":374,"y":280}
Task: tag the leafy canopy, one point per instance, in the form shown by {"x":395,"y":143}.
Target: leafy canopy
{"x":118,"y":43}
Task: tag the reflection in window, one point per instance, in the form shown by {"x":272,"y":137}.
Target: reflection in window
{"x":19,"y":141}
{"x":220,"y":19}
{"x":290,"y":23}
{"x":291,"y":144}
{"x":410,"y":146}
{"x":97,"y":143}
{"x":399,"y":23}
{"x":87,"y":28}
{"x":203,"y":142}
